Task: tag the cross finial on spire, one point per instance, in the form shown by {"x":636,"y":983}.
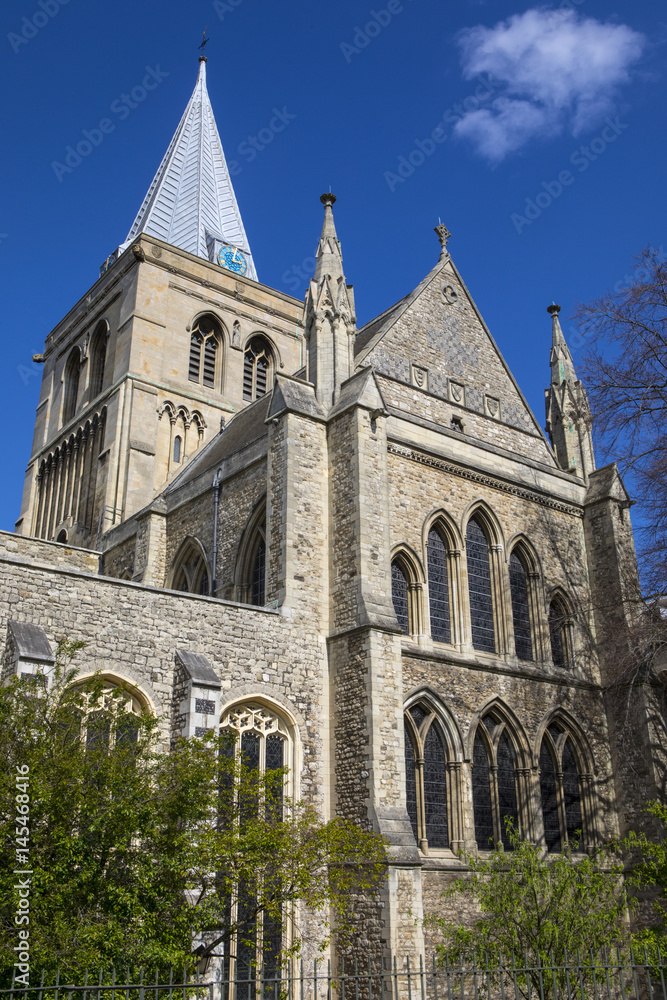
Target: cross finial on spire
{"x":443,"y":235}
{"x":205,"y":41}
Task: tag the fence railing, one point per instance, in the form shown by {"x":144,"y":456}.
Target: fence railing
{"x":608,"y":976}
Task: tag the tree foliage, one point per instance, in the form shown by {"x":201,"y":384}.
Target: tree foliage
{"x":647,"y":872}
{"x":625,"y":372}
{"x":534,"y":908}
{"x":137,"y":851}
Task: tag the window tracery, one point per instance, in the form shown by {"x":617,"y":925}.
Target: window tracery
{"x":560,"y":790}
{"x":494,"y":782}
{"x":189,"y":573}
{"x":107,"y":714}
{"x":429,"y":792}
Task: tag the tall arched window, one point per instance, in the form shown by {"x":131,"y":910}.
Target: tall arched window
{"x":262,"y":743}
{"x":559,"y":788}
{"x":258,"y":591}
{"x":71,"y":387}
{"x":98,"y":357}
{"x":426,"y":778}
{"x":493,"y":783}
{"x":256,"y":365}
{"x":205,"y":364}
{"x":479,"y":588}
{"x":561,"y":633}
{"x":438,"y":588}
{"x":399,"y":595}
{"x":523,"y":641}
{"x":189,"y":572}
{"x":177,"y":448}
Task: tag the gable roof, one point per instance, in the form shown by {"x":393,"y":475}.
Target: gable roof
{"x":191,"y":200}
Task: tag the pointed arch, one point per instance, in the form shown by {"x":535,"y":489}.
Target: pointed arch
{"x":500,"y":755}
{"x":487,"y":519}
{"x":205,"y":363}
{"x":561,"y":629}
{"x":407,"y":584}
{"x":98,"y":358}
{"x":524,"y":576}
{"x":567,"y":782}
{"x":250,"y":570}
{"x":259,"y":365}
{"x":71,"y":384}
{"x":433,"y":771}
{"x":442,"y":556}
{"x":189,"y":571}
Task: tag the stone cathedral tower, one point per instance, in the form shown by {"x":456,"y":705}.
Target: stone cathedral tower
{"x":354,"y":546}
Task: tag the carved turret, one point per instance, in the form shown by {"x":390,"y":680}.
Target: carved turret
{"x":568,"y":413}
{"x":329,"y":316}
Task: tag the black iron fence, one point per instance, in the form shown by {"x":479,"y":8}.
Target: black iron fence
{"x":608,"y":976}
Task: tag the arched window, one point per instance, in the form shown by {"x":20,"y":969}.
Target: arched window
{"x":177,"y":448}
{"x":523,"y":642}
{"x":98,"y":356}
{"x":561,"y":633}
{"x":256,"y":365}
{"x":479,"y":587}
{"x":559,"y":788}
{"x":258,"y":592}
{"x":262,"y":742}
{"x":107,"y":713}
{"x":399,"y":594}
{"x":189,"y":573}
{"x":493,"y":783}
{"x":438,"y":588}
{"x":426,"y":778}
{"x":205,"y":349}
{"x":71,"y":387}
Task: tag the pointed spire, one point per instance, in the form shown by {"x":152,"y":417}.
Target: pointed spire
{"x":191,"y":203}
{"x":562,"y":366}
{"x":329,"y":256}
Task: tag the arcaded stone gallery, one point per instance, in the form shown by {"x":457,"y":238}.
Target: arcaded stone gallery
{"x":356,"y":547}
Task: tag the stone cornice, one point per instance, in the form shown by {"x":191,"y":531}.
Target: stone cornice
{"x":533,"y":496}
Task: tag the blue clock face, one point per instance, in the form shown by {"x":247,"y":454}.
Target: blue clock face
{"x":233,"y":260}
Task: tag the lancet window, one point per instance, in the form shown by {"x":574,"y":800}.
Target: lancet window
{"x":427,"y":780}
{"x":438,"y":588}
{"x":399,"y":594}
{"x":257,"y":359}
{"x":205,"y":366}
{"x":560,"y":789}
{"x":523,"y":641}
{"x":561,"y":633}
{"x":493,"y":783}
{"x":190,"y":572}
{"x":98,"y":356}
{"x":479,"y":588}
{"x":260,"y":739}
{"x":71,"y":386}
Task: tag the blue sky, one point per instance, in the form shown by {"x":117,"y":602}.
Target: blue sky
{"x":565,"y":102}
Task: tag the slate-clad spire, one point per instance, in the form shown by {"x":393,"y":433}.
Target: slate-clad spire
{"x":329,"y":317}
{"x":191,"y":202}
{"x":568,"y":413}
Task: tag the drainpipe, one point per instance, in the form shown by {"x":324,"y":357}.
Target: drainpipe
{"x":216,"y":504}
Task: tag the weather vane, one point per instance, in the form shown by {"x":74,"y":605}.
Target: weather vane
{"x":203,"y":44}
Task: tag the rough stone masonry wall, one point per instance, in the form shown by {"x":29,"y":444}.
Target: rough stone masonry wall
{"x":238,"y":498}
{"x":119,"y":561}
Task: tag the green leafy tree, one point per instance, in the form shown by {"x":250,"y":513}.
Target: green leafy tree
{"x":647,"y":873}
{"x":138,"y":853}
{"x":538,"y":909}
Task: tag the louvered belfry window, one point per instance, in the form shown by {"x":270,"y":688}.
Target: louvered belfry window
{"x":479,"y":584}
{"x":493,"y":783}
{"x":205,"y":346}
{"x":559,"y":786}
{"x":256,"y":362}
{"x":523,"y":642}
{"x":438,"y":588}
{"x":399,"y":594}
{"x":426,"y":789}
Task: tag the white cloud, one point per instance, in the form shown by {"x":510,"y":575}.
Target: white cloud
{"x":556,"y":71}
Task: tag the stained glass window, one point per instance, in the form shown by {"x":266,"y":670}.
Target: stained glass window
{"x":438,"y":588}
{"x":258,"y":572}
{"x":418,"y":713}
{"x":481,"y":795}
{"x":410,"y":782}
{"x":549,"y":799}
{"x":506,"y":787}
{"x":435,"y":789}
{"x":399,"y":594}
{"x":479,"y":584}
{"x":571,"y":797}
{"x":520,"y":609}
{"x":556,"y":630}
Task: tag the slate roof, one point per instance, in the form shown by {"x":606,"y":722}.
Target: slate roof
{"x":191,"y":197}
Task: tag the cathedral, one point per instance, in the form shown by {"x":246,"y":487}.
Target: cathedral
{"x":356,"y":547}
